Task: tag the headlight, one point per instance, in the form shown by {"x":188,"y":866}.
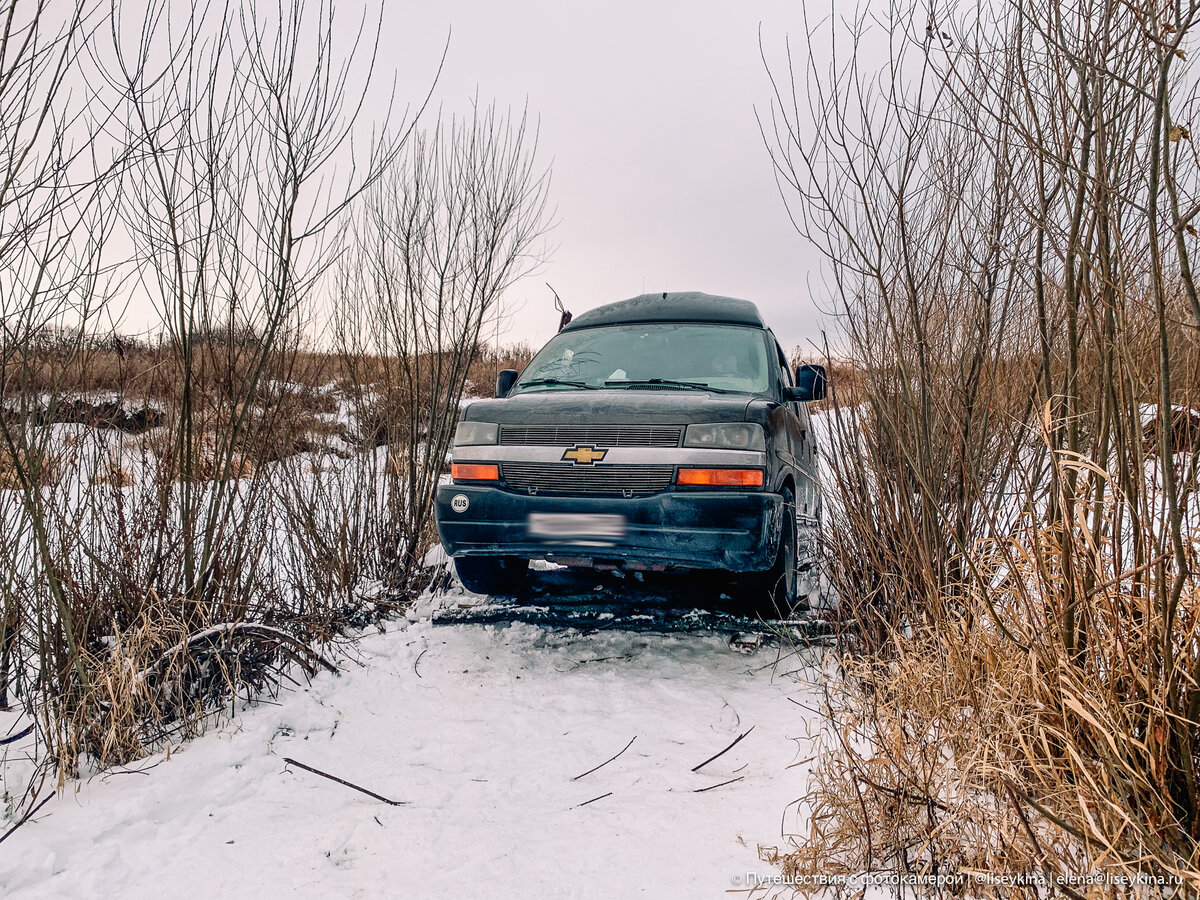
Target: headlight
{"x":470,"y":433}
{"x":726,"y":436}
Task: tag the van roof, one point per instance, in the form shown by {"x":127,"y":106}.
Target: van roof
{"x":679,"y":306}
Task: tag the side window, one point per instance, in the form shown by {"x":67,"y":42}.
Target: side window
{"x":800,"y":410}
{"x":785,"y":373}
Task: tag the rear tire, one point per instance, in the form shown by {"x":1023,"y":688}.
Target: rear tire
{"x":491,"y":574}
{"x":772,"y":594}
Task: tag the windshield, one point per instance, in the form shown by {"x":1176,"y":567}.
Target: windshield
{"x":722,"y":357}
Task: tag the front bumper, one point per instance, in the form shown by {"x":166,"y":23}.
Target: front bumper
{"x":730,"y":530}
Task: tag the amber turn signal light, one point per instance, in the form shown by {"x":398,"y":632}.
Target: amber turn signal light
{"x":474,"y":472}
{"x":721,"y":477}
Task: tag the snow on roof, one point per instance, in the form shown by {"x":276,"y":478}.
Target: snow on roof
{"x":680,"y":306}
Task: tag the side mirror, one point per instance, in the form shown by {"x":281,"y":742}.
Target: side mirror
{"x":504,"y":381}
{"x":811,"y":383}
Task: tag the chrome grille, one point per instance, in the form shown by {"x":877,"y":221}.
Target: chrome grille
{"x":555,"y":478}
{"x":599,"y":435}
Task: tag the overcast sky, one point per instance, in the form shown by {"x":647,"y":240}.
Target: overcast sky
{"x":660,"y":178}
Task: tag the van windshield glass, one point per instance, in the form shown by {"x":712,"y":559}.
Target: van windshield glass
{"x":724,"y":357}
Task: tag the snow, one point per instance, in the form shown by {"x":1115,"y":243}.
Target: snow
{"x":481,"y":731}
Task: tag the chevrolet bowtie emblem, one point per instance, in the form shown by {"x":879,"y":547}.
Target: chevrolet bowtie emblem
{"x":584,"y":455}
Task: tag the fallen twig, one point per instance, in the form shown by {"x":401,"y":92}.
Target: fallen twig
{"x":607,"y":761}
{"x":723,"y":752}
{"x":417,"y":661}
{"x":25,"y":818}
{"x":145,"y":771}
{"x":803,"y":706}
{"x":16,"y":737}
{"x":594,"y":799}
{"x":597,"y":659}
{"x":722,"y":784}
{"x":342,"y":781}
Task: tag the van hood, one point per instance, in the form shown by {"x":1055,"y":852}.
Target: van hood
{"x":623,"y":406}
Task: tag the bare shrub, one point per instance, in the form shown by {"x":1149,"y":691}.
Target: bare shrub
{"x":154,"y":555}
{"x":54,"y":224}
{"x":1006,"y":207}
{"x":444,"y":235}
{"x":226,"y":495}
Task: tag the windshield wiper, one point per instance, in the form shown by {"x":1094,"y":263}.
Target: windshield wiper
{"x":667,"y":382}
{"x":555,"y":381}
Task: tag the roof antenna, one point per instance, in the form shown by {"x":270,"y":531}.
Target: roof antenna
{"x":564,"y":315}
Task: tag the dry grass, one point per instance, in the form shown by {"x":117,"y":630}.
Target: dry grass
{"x":113,"y":474}
{"x":77,"y":366}
{"x":137,"y":388}
{"x":481,"y":377}
{"x":158,"y":678}
{"x":43,"y":468}
{"x":971,"y":753}
{"x":141,"y":369}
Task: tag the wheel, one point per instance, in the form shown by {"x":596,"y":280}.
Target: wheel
{"x":772,"y":594}
{"x":491,"y":574}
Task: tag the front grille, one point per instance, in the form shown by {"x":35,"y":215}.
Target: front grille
{"x":599,"y":435}
{"x":556,"y":478}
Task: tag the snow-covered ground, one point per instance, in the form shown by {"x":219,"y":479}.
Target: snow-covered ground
{"x":481,"y":731}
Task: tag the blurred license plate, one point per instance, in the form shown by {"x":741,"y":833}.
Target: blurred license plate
{"x":576,"y":525}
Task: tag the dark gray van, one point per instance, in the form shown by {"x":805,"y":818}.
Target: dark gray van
{"x":659,"y":433}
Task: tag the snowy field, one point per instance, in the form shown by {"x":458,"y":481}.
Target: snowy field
{"x":482,"y":732}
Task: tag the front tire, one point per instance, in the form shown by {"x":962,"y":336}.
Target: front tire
{"x":491,"y":574}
